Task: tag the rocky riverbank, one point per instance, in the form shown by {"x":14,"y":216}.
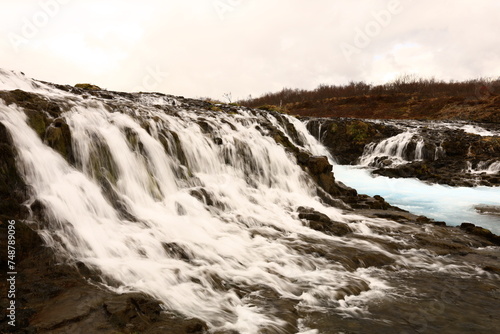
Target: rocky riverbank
{"x":452,"y":153}
{"x":433,"y":272}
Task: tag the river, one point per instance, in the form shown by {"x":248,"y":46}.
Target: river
{"x":453,"y":205}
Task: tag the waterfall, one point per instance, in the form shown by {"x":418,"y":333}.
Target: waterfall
{"x":494,"y":167}
{"x":419,"y":150}
{"x":487,"y":167}
{"x":439,"y":152}
{"x":198,"y":209}
{"x":393,"y":148}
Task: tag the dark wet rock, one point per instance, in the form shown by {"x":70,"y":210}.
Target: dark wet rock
{"x":283,"y":140}
{"x":425,"y":220}
{"x":13,"y":191}
{"x":38,"y":121}
{"x":371,"y":259}
{"x":346,"y":190}
{"x":319,"y":165}
{"x":321,"y":222}
{"x":488,"y":209}
{"x":442,"y":311}
{"x":320,"y":169}
{"x":203,"y":196}
{"x":446,"y":154}
{"x":354,"y":288}
{"x":140,"y":313}
{"x":443,"y":246}
{"x":492,"y":269}
{"x":479,"y":231}
{"x":303,"y":158}
{"x":346,"y":138}
{"x":361,"y":201}
{"x":355,"y":258}
{"x":205,"y":126}
{"x":32,"y":103}
{"x":311,"y":214}
{"x":206,"y":197}
{"x":58,"y":136}
{"x":87,"y":86}
{"x":176,"y":251}
{"x":330,"y":200}
{"x":327,"y":182}
{"x":399,"y":216}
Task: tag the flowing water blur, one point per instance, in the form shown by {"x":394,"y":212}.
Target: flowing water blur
{"x":199,"y":210}
{"x":453,"y":205}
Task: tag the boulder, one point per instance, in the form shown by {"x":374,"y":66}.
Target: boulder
{"x":482,"y":232}
{"x":87,"y":86}
{"x":488,"y":209}
{"x":319,"y":165}
{"x":58,"y":136}
{"x":320,"y":222}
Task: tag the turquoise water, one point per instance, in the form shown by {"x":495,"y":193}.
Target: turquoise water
{"x":453,"y":205}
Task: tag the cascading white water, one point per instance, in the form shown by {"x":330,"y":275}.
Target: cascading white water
{"x":494,"y":167}
{"x":239,"y":245}
{"x":393,"y":148}
{"x":306,"y":140}
{"x":475,"y":129}
{"x":419,"y":150}
{"x":439,"y":152}
{"x":10,"y":80}
{"x":131,"y":209}
{"x":488,"y":167}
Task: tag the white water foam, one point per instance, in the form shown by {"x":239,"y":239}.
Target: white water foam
{"x":477,"y":130}
{"x":11,"y":80}
{"x":393,"y":148}
{"x":487,"y":167}
{"x":128,"y":208}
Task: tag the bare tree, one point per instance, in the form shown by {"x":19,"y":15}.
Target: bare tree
{"x":228,"y":96}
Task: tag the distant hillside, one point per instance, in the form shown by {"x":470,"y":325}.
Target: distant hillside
{"x":405,"y":98}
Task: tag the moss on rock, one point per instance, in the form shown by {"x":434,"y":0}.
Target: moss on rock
{"x":38,"y":121}
{"x":31,"y":102}
{"x":87,"y":86}
{"x":58,"y":136}
{"x":360,"y":132}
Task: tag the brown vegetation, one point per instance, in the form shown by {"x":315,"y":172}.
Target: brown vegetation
{"x":407,"y":97}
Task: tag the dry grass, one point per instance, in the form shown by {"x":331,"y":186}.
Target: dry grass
{"x":405,"y":97}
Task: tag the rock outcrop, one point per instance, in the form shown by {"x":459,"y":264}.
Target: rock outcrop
{"x":346,"y":138}
{"x":433,"y":152}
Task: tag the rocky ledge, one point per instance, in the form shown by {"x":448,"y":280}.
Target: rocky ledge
{"x":433,"y":151}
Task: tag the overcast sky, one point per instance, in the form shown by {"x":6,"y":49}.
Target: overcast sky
{"x":207,"y":48}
